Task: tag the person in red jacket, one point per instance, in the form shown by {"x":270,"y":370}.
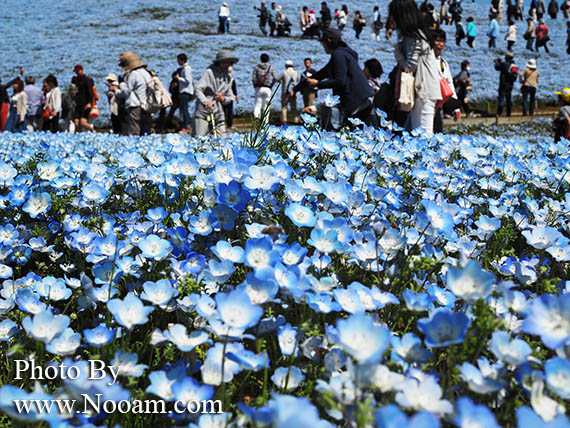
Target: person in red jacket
{"x":542,"y":36}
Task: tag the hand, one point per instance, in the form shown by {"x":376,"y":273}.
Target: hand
{"x":219,"y":97}
{"x":237,"y":99}
{"x":312,"y":82}
{"x":456,"y":116}
{"x":209,"y":106}
{"x":292,"y":94}
{"x":306,"y":110}
{"x":176,"y":76}
{"x":87,"y":106}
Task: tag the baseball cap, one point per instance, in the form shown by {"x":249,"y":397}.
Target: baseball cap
{"x":289,"y":63}
{"x":77,"y":68}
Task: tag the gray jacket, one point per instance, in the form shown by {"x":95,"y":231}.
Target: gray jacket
{"x":133,"y":88}
{"x":416,"y":56}
{"x":213,"y":80}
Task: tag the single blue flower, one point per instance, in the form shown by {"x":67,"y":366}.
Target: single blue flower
{"x":470,"y":415}
{"x":37,"y":203}
{"x":153,"y":247}
{"x":444,"y":327}
{"x":233,"y":195}
{"x":159,"y":292}
{"x":557,"y":371}
{"x":288,"y":378}
{"x":548,"y":316}
{"x":129,"y":311}
{"x":99,"y":336}
{"x":237,"y":311}
{"x":300,"y":215}
{"x":470,"y":283}
{"x":44,"y":326}
{"x":363,"y":339}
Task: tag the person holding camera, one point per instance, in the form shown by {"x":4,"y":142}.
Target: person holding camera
{"x":507,"y":78}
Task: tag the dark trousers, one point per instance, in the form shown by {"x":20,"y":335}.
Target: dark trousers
{"x":229,"y":114}
{"x":358,"y":30}
{"x":528,"y":93}
{"x":470,"y":40}
{"x":529,"y":43}
{"x":491,"y":42}
{"x":116,"y":123}
{"x":505,"y":95}
{"x":510,"y":44}
{"x":137,"y":122}
{"x":542,"y":43}
{"x":222,"y":24}
{"x":184,"y":101}
{"x":51,"y":125}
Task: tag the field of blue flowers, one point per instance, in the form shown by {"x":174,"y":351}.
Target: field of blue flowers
{"x":303,"y":278}
{"x":51,"y":37}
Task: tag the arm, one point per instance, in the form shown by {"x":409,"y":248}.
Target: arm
{"x":203,"y":89}
{"x":21,"y":106}
{"x":56,"y":99}
{"x":339,"y":74}
{"x":411,"y":63}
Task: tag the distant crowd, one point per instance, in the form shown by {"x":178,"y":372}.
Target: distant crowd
{"x":420,"y":89}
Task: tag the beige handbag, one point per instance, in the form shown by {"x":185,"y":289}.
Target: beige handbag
{"x":406,"y":98}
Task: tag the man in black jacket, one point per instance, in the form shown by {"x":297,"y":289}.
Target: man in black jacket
{"x":326,"y":17}
{"x":343,"y":75}
{"x":508,"y":76}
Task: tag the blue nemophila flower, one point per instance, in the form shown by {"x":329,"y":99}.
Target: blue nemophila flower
{"x":541,"y":237}
{"x":422,"y":392}
{"x":261,"y":178}
{"x":250,"y":361}
{"x":444,"y":327}
{"x":470,"y":415}
{"x":5,"y":271}
{"x":65,"y":343}
{"x":324,"y":241}
{"x":287,"y":338}
{"x":161,"y":385}
{"x":557,"y":373}
{"x":28,"y":301}
{"x":9,"y":395}
{"x":237,"y":311}
{"x":514,"y":352}
{"x":549,"y":317}
{"x":44,"y":326}
{"x":470,"y":283}
{"x":300,"y":215}
{"x":363,"y":339}
{"x":223,"y":217}
{"x":106,"y":273}
{"x":99,"y":336}
{"x":37,"y":203}
{"x":233,"y":195}
{"x":225,"y":251}
{"x":154,"y":247}
{"x":560,"y":251}
{"x":440,"y":220}
{"x":409,"y":349}
{"x":211,"y":370}
{"x":129,"y":311}
{"x":189,"y":390}
{"x":178,"y":335}
{"x":8,"y":329}
{"x":417,"y":301}
{"x":477,"y":380}
{"x":527,"y":418}
{"x":289,"y":411}
{"x":128,"y":363}
{"x":261,"y":256}
{"x":391,"y":416}
{"x":159,"y":292}
{"x":288,"y":378}
{"x":156,"y":215}
{"x":94,"y":193}
{"x":7,"y":174}
{"x":322,"y":303}
{"x":259,"y":291}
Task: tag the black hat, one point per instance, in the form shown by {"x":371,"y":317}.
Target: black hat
{"x":331,"y":34}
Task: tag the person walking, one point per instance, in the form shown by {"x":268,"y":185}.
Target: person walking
{"x":471,"y":32}
{"x":343,"y":75}
{"x":507,"y":77}
{"x":272,"y":19}
{"x":459,"y":32}
{"x":494,"y":31}
{"x":542,"y":36}
{"x":213,"y":91}
{"x":540,"y":9}
{"x":137,"y":79}
{"x":358,"y":24}
{"x":35,"y":99}
{"x":185,"y":89}
{"x":114,"y":102}
{"x":529,"y":82}
{"x":308,"y":92}
{"x":444,"y":17}
{"x":263,"y":17}
{"x":288,"y":81}
{"x":376,"y":23}
{"x":264,"y":76}
{"x":530,"y":34}
{"x":52,"y":105}
{"x":223,"y":18}
{"x":342,"y":17}
{"x":83,"y":99}
{"x":68,"y":107}
{"x":462,"y":82}
{"x":456,"y":10}
{"x":326,"y":17}
{"x":511,"y":36}
{"x":553,"y":9}
{"x":414,"y":54}
{"x":18,"y":106}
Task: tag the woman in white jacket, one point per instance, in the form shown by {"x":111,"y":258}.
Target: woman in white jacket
{"x":414,"y":54}
{"x":511,"y":36}
{"x":53,"y":103}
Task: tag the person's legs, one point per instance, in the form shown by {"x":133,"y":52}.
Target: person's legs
{"x":293,"y":104}
{"x":501,"y":101}
{"x":508,"y":93}
{"x":145,"y":122}
{"x":257,"y":105}
{"x":184,"y":100}
{"x":422,"y":116}
{"x":131,"y":125}
{"x":510,"y":44}
{"x":525,"y":96}
{"x":532,"y":93}
{"x":54,"y":124}
{"x":201,"y":126}
{"x":284,"y":102}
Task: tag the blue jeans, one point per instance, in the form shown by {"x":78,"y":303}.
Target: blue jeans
{"x":505,"y":94}
{"x":12,"y":124}
{"x":529,"y":91}
{"x":184,"y":100}
{"x":222,"y":24}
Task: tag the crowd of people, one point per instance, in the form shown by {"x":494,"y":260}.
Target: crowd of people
{"x":419,"y":92}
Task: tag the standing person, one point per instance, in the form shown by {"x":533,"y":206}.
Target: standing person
{"x":342,"y":17}
{"x":529,"y":82}
{"x":272,"y":18}
{"x":565,"y":8}
{"x":326,"y":17}
{"x":414,"y":54}
{"x":511,"y":36}
{"x":5,"y":100}
{"x":114,"y":102}
{"x":137,"y":79}
{"x":540,"y":9}
{"x":462,"y":82}
{"x":456,"y":10}
{"x":229,"y":108}
{"x":376,"y":23}
{"x":83,"y":99}
{"x":52,"y":105}
{"x":94,"y":112}
{"x":553,"y":9}
{"x":444,"y":18}
{"x":18,"y":106}
{"x":542,"y":36}
{"x":373,"y":70}
{"x":223,"y":18}
{"x":343,"y":75}
{"x":493,"y":32}
{"x":264,"y":76}
{"x":568,"y":37}
{"x":358,"y":24}
{"x":530,"y":34}
{"x":185,"y":89}
{"x":561,"y":125}
{"x":68,"y":107}
{"x":459,"y":32}
{"x":35,"y":98}
{"x":213,"y":91}
{"x":304,"y":19}
{"x":507,"y":77}
{"x":288,"y":81}
{"x":308,"y":92}
{"x":471,"y":32}
{"x":263,"y":17}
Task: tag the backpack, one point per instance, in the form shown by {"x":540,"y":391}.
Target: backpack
{"x":155,"y":97}
{"x":262,"y":79}
{"x":512,"y":74}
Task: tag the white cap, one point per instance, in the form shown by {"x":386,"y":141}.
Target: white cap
{"x":289,"y":63}
{"x":111,"y":76}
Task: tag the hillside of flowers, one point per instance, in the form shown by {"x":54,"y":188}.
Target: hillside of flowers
{"x":303,"y":278}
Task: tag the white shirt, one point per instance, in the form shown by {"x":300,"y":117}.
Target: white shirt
{"x":53,"y":101}
{"x":224,"y":11}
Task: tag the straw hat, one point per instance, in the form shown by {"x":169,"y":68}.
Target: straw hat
{"x":129,"y":61}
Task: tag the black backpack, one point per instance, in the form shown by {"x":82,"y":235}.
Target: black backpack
{"x":513,"y":73}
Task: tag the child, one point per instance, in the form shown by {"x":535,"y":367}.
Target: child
{"x":471,"y":32}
